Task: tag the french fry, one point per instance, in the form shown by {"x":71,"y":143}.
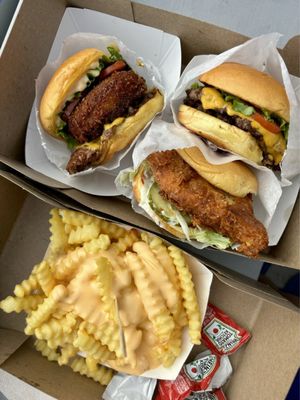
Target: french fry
{"x":45,"y":309}
{"x":190,"y":300}
{"x":67,"y":352}
{"x":45,"y":277}
{"x":108,"y":333}
{"x":42,"y":347}
{"x":95,"y":245}
{"x":27,"y":286}
{"x":58,"y":239}
{"x":85,"y":233}
{"x":153,"y":301}
{"x":76,"y":218}
{"x":18,"y":304}
{"x":68,"y":264}
{"x":102,"y":375}
{"x":158,"y":276}
{"x":126,"y":242}
{"x":92,"y":347}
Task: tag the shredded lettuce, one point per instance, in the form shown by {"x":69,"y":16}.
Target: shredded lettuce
{"x":195,"y":85}
{"x":71,"y":142}
{"x":210,"y":237}
{"x":238,"y":105}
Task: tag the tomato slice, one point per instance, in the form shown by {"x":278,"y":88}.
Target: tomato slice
{"x":117,"y":66}
{"x":270,"y":126}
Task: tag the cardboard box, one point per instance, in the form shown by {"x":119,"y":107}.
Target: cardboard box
{"x":29,"y":43}
{"x":274,"y":340}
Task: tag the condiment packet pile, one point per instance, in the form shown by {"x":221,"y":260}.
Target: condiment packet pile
{"x":203,"y":378}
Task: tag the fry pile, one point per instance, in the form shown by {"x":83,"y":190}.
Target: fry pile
{"x":107,"y":295}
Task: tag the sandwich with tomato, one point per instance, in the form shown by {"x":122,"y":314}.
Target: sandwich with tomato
{"x":97,"y":104}
{"x":241,"y":110}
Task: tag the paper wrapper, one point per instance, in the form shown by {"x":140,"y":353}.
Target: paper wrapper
{"x":56,"y":150}
{"x":165,"y":136}
{"x":260,"y":53}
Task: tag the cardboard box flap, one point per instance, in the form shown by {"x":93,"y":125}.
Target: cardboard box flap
{"x":10,"y":341}
{"x":13,"y":196}
{"x":266,"y":366}
{"x":32,"y":174}
{"x":30,"y":366}
{"x":23,"y":183}
{"x":291,"y":55}
{"x":204,"y":38}
{"x":117,"y":8}
{"x":247,"y":285}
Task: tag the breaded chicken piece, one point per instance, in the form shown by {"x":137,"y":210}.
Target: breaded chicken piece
{"x":208,"y":206}
{"x":107,"y":101}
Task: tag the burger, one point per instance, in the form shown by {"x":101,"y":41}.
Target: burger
{"x":241,"y":110}
{"x":195,"y":200}
{"x":97,"y":104}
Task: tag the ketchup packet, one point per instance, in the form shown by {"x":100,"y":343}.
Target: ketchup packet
{"x":215,"y":395}
{"x":193,"y":377}
{"x":220,"y":333}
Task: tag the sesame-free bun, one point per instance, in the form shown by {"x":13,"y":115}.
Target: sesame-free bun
{"x":224,"y":135}
{"x":61,"y":84}
{"x":251,"y":85}
{"x":126,"y":132}
{"x":234,"y":177}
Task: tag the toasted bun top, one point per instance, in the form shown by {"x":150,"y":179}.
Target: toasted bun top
{"x":234,"y":177}
{"x":61,"y":83}
{"x":255,"y":87}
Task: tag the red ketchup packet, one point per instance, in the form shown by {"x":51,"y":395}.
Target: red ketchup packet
{"x":217,"y":394}
{"x":220,"y":333}
{"x":193,"y":377}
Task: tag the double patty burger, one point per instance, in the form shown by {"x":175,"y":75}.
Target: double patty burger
{"x":241,"y":110}
{"x":98,"y":105}
{"x":193,"y":199}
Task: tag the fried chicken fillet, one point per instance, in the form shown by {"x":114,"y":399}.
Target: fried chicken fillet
{"x":208,"y":206}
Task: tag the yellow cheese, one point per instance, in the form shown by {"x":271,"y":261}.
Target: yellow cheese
{"x":212,"y":99}
{"x":275,"y":143}
{"x":116,"y":122}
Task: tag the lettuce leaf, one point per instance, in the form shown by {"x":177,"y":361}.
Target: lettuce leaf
{"x":210,"y":237}
{"x":238,"y":105}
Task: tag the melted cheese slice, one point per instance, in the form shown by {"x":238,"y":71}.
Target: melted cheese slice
{"x":275,"y":143}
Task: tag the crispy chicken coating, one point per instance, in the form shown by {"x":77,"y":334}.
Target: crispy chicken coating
{"x":108,"y":100}
{"x":208,"y":206}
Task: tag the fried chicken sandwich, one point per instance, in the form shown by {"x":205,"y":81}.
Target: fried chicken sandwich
{"x":241,"y":110}
{"x":193,"y":199}
{"x":98,"y":105}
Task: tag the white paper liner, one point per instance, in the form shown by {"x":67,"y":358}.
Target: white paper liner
{"x":56,"y":150}
{"x":260,"y":53}
{"x":129,"y":387}
{"x":165,"y":136}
